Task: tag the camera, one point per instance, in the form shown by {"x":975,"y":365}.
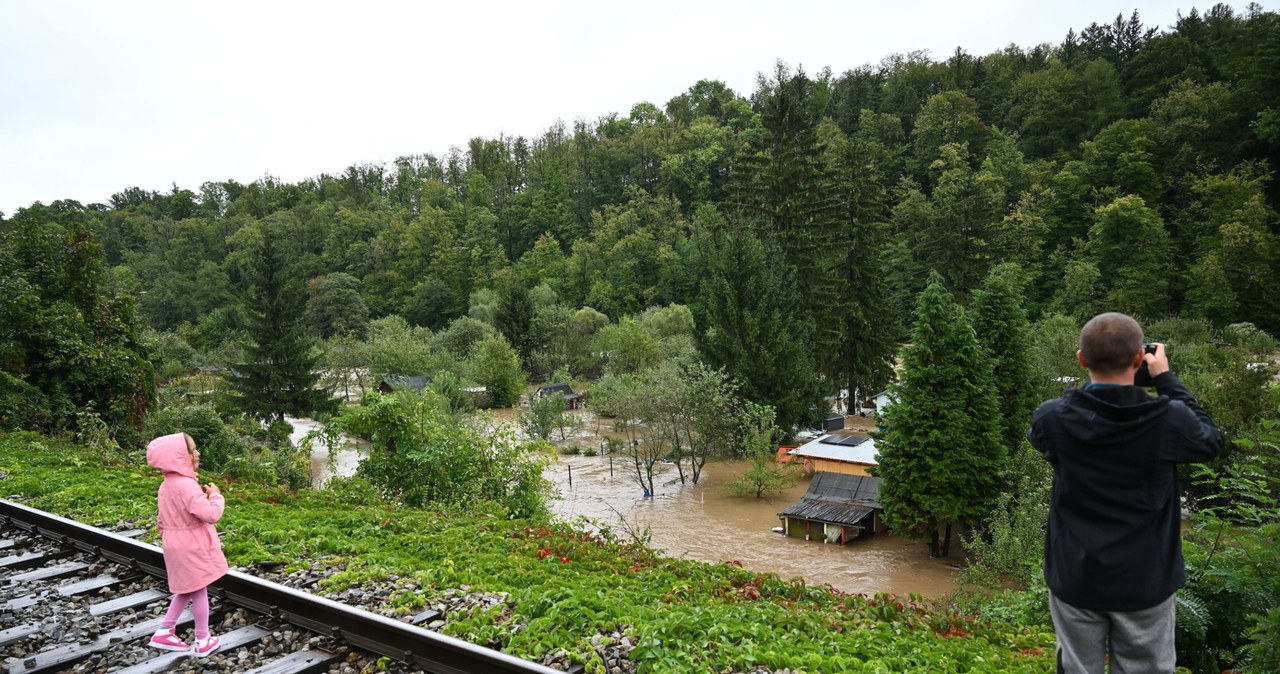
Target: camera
{"x":1143,"y":377}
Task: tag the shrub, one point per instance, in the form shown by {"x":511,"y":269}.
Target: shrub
{"x":218,"y":444}
{"x":422,"y":456}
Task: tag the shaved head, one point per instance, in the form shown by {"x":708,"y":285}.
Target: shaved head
{"x":1109,"y":343}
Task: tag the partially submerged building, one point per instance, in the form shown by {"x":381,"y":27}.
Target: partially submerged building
{"x":843,"y":499}
{"x":572,"y":401}
{"x":399,"y":382}
{"x":837,"y":508}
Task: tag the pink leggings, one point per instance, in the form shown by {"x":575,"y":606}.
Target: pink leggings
{"x":199,"y":601}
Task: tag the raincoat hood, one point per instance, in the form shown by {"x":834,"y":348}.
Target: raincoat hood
{"x":169,"y":454}
{"x":1120,"y":414}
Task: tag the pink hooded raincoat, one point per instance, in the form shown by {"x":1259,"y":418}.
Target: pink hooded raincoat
{"x":192,"y":552}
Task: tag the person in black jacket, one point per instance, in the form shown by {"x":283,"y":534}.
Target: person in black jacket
{"x":1113,"y":548}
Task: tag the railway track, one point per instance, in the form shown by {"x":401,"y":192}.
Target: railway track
{"x":82,"y":599}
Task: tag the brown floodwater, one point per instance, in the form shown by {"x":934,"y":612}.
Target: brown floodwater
{"x":704,"y":522}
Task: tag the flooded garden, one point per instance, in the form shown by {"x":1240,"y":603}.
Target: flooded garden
{"x":703,"y":521}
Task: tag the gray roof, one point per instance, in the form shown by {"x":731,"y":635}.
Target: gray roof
{"x":837,"y":498}
{"x":399,"y":381}
{"x":840,"y":447}
{"x":548,"y":389}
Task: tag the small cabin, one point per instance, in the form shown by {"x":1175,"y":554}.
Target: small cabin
{"x":882,"y":400}
{"x":837,"y":508}
{"x":572,"y":401}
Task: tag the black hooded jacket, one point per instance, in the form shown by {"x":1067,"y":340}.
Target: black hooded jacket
{"x":1113,"y":541}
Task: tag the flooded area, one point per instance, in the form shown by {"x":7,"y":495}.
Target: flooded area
{"x":326,"y":464}
{"x":702,"y":521}
{"x":706,"y":523}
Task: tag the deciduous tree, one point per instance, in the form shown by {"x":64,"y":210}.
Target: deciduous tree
{"x":71,"y":346}
{"x":496,"y":366}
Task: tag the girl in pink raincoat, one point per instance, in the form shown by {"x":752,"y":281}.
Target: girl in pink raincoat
{"x":192,"y":551}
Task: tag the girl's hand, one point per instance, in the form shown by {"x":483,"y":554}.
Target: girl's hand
{"x":211,"y":489}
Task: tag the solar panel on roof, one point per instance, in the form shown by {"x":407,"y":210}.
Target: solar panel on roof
{"x":844,"y":440}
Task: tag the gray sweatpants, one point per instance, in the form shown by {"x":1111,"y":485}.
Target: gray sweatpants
{"x":1138,"y":642}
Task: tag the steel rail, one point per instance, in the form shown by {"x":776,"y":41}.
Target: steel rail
{"x":409,"y":644}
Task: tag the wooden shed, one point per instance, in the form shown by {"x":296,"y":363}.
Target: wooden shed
{"x":837,"y":508}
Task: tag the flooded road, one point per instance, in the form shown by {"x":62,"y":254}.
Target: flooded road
{"x":704,"y":522}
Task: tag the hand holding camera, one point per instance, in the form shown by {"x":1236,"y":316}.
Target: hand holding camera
{"x":1155,"y":362}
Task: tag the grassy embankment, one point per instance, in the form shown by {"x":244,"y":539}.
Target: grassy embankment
{"x":564,"y":586}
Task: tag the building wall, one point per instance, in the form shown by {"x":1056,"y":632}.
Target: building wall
{"x":816,"y":531}
{"x":843,"y":467}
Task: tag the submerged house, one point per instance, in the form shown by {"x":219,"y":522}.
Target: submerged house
{"x":838,"y":508}
{"x":398,"y":382}
{"x":572,"y":401}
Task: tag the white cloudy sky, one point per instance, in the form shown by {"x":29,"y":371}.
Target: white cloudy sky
{"x":99,"y":96}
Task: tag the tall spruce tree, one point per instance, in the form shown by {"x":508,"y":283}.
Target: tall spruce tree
{"x":514,"y":317}
{"x":783,"y":183}
{"x":752,"y":328}
{"x":279,"y":374}
{"x":940,"y":451}
{"x":868,"y":329}
{"x":1002,"y":328}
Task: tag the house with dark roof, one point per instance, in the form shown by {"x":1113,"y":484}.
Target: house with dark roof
{"x":572,"y":401}
{"x":837,"y":508}
{"x":398,"y":382}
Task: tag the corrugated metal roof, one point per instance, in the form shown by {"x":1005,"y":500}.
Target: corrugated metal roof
{"x":864,"y":452}
{"x":833,"y":513}
{"x":837,"y":498}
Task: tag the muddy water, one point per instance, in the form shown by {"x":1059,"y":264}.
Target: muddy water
{"x":704,"y":522}
{"x":344,"y":459}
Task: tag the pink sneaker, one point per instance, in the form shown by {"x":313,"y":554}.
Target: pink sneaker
{"x":204,"y":647}
{"x":165,"y":640}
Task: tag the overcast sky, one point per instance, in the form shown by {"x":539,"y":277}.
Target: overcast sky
{"x":99,"y":96}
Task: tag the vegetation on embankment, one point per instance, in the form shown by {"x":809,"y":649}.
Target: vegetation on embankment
{"x":564,"y":585}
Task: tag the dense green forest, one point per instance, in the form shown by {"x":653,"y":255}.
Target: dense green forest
{"x":1125,"y":168}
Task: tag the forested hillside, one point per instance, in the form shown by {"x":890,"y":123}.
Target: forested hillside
{"x":712,"y":272}
{"x":1127,"y":168}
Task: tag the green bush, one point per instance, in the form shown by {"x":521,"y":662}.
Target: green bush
{"x":1233,"y":568}
{"x":422,"y":456}
{"x":218,"y":444}
{"x":22,"y":406}
{"x":1009,"y":544}
{"x":244,"y":450}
